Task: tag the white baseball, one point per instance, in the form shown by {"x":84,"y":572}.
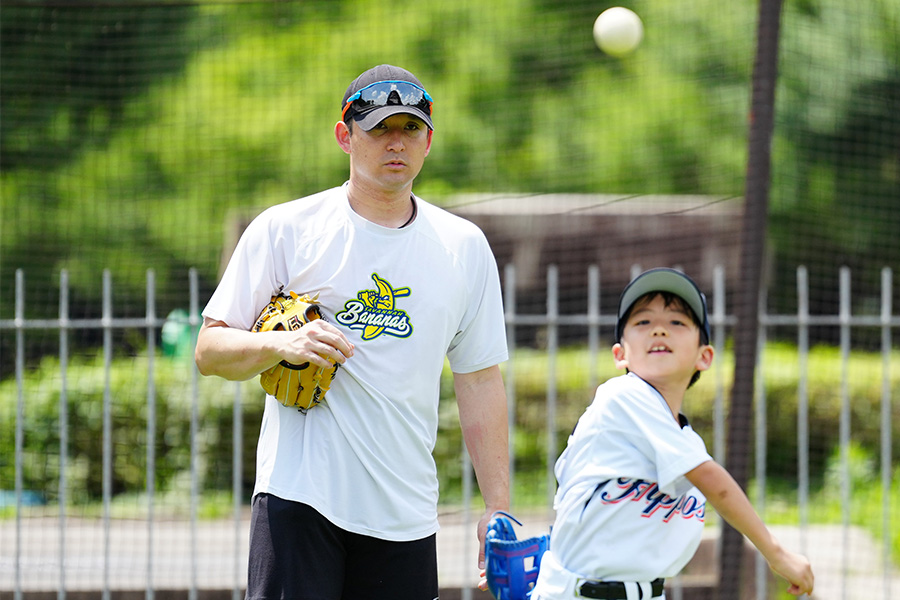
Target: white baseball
{"x":618,"y":31}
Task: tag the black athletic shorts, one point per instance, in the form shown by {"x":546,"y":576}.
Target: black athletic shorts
{"x":297,"y":554}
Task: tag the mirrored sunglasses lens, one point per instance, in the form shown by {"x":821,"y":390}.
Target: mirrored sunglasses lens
{"x":379,"y":95}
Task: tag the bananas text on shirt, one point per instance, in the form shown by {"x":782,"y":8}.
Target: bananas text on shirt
{"x":374,"y":312}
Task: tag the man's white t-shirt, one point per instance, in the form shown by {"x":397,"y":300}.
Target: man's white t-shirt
{"x":625,"y":511}
{"x":406,"y":298}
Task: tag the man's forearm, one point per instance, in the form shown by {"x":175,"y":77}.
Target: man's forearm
{"x":484,"y":422}
{"x":233,"y":354}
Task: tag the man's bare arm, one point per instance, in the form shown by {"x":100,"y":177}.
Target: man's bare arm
{"x":481,"y":399}
{"x":236,"y":355}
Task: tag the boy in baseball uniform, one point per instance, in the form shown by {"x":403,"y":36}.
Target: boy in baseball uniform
{"x":635,"y":479}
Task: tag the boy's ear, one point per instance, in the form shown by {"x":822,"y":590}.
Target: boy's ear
{"x":705,"y":358}
{"x":621,"y":361}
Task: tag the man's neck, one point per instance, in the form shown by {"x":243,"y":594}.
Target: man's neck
{"x":388,"y":209}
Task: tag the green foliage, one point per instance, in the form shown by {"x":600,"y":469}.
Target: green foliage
{"x":77,"y":99}
{"x":836,"y":169}
{"x":860,"y":470}
{"x":248,"y":123}
{"x":128,"y":417}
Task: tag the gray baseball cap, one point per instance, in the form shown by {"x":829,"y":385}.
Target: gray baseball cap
{"x":664,"y":280}
{"x":383,"y":91}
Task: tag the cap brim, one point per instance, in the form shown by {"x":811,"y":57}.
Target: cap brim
{"x":369,"y":119}
{"x":665,"y":280}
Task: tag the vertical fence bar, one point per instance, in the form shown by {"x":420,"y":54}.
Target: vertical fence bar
{"x":63,"y":424}
{"x":509,"y":303}
{"x":845,"y":425}
{"x":552,"y":352}
{"x":151,"y":424}
{"x":467,"y":490}
{"x":20,"y":423}
{"x":236,"y":485}
{"x":803,"y":403}
{"x":761,"y":457}
{"x":886,"y":309}
{"x":593,"y":325}
{"x":635,"y":270}
{"x":195,"y":426}
{"x":718,"y":323}
{"x":106,"y":322}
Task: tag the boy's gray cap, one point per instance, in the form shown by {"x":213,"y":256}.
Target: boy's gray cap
{"x":370,"y":118}
{"x":664,"y":280}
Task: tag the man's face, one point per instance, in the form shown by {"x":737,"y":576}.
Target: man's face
{"x":390,"y":155}
{"x":661,"y":343}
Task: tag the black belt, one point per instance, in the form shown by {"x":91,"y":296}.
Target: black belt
{"x":615,"y":590}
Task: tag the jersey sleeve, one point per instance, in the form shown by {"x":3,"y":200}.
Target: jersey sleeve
{"x":674,"y":462}
{"x":481,"y":339}
{"x":674,"y":448}
{"x":249,"y":280}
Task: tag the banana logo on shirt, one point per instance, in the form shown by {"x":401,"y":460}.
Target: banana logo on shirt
{"x":374,"y":311}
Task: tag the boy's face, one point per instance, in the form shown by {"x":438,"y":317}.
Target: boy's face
{"x":661,"y":344}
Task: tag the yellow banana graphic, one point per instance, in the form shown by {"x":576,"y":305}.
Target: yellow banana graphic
{"x":382,"y":299}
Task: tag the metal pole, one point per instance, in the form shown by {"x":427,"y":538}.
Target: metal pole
{"x":552,"y":350}
{"x":803,"y":403}
{"x":467,"y":489}
{"x":63,"y":424}
{"x":107,"y":428}
{"x":844,"y":426}
{"x":195,"y":429}
{"x":151,"y":423}
{"x":756,"y":200}
{"x":509,"y":302}
{"x":761,"y":456}
{"x":236,"y":485}
{"x":886,"y":467}
{"x":20,"y":424}
{"x":718,"y":324}
{"x":593,"y":325}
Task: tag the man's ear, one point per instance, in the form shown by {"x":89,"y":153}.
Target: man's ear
{"x":621,"y":361}
{"x":428,"y":147}
{"x":705,"y":358}
{"x":342,"y":135}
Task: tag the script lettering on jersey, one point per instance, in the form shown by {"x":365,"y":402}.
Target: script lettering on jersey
{"x":374,"y":313}
{"x":640,"y":490}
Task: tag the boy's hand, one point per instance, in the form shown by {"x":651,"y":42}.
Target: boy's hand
{"x":797,"y":570}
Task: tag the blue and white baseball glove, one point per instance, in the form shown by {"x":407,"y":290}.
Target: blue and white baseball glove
{"x":511,"y":565}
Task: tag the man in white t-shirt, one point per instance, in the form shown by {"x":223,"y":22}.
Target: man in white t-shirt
{"x":345,"y":500}
{"x":634,"y":479}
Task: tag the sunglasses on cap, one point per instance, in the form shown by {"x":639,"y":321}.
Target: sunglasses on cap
{"x":380,"y":93}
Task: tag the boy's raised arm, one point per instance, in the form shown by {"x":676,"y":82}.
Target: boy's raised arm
{"x":730,"y":501}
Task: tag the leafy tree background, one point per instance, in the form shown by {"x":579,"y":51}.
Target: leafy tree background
{"x":134,"y":134}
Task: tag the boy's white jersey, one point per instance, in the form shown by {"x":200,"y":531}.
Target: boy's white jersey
{"x":625,"y":511}
{"x":407,"y":299}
